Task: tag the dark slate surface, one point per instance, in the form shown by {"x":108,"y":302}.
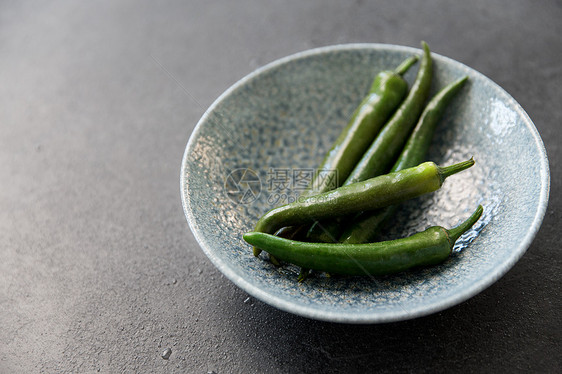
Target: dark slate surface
{"x":98,"y":269}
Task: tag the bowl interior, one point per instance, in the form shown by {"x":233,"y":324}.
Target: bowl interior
{"x":257,"y":144}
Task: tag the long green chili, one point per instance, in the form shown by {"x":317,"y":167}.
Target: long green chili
{"x":429,"y":247}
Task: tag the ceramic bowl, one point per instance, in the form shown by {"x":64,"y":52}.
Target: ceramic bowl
{"x":255,"y":146}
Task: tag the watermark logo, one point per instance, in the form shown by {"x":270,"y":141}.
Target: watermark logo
{"x":242,"y":186}
{"x":283,"y":185}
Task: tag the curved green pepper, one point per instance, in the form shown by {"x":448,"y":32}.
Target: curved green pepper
{"x":429,"y":247}
{"x":387,"y":92}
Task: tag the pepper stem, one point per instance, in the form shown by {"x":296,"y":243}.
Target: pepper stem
{"x":456,"y":232}
{"x":274,"y":260}
{"x":447,"y":171}
{"x":303,"y":274}
{"x":406,"y":65}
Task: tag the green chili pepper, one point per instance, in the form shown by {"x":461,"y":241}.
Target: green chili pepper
{"x":374,"y":193}
{"x":429,"y":247}
{"x":386,"y":93}
{"x":365,"y":227}
{"x":387,"y":145}
{"x":392,"y":137}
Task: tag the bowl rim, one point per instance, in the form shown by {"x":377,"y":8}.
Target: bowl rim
{"x":310,"y":311}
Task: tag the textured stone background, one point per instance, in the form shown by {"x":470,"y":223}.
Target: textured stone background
{"x":98,"y":269}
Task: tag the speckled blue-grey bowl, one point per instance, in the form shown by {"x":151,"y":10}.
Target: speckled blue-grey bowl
{"x":255,"y":146}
